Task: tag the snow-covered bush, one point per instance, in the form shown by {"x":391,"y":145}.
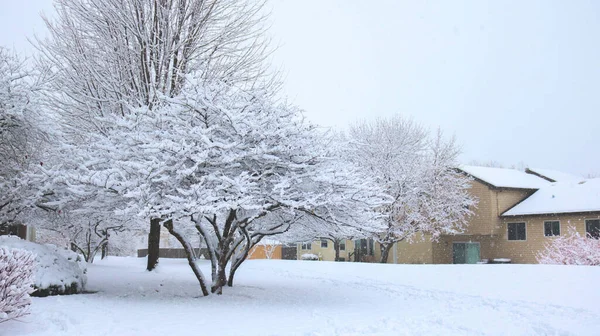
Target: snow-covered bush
{"x":57,"y":271}
{"x":16,"y":282}
{"x":571,"y":249}
{"x":309,"y":256}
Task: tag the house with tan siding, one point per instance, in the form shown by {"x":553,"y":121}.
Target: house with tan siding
{"x":357,"y":250}
{"x":518,"y":213}
{"x":549,"y":213}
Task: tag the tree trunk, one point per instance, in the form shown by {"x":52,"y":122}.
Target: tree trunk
{"x":385,"y":252}
{"x":190,"y":255}
{"x":336,"y":247}
{"x":209,"y":248}
{"x":153,"y":243}
{"x":104,"y":251}
{"x":234,"y":268}
{"x":218,"y":285}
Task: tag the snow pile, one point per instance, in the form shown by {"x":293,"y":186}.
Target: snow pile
{"x":16,"y":281}
{"x":505,"y":178}
{"x":571,"y":249}
{"x":561,"y":197}
{"x":309,"y":256}
{"x":58,"y":271}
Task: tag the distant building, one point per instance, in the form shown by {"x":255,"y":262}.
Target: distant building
{"x":359,"y":250}
{"x":518,"y":213}
{"x":266,"y":249}
{"x":20,"y":230}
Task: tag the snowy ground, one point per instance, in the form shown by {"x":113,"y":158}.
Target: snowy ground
{"x":274,"y":297}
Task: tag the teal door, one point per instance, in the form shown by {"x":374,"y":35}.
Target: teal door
{"x":465,"y":253}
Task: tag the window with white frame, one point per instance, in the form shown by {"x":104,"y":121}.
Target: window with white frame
{"x":517,"y":231}
{"x":306,"y":246}
{"x":343,"y":245}
{"x":551,"y":228}
{"x":323,"y":243}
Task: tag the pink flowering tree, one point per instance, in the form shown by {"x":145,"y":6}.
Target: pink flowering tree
{"x":571,"y":249}
{"x":16,"y":282}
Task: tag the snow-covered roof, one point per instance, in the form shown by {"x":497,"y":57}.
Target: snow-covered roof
{"x":505,"y":178}
{"x":561,"y":197}
{"x":555,"y":176}
{"x":267,"y":241}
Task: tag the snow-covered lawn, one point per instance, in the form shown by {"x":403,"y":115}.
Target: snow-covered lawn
{"x":274,"y":297}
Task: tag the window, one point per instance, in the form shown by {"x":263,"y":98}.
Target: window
{"x":343,"y":245}
{"x":306,"y":246}
{"x":516,"y":231}
{"x":592,"y":228}
{"x":323,"y":243}
{"x":551,"y":228}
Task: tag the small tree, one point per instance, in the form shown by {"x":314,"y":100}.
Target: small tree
{"x":418,"y":172}
{"x":571,"y":249}
{"x":16,"y":282}
{"x":270,"y":249}
{"x":111,"y":57}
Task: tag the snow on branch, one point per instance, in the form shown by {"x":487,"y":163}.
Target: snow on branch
{"x":416,"y":170}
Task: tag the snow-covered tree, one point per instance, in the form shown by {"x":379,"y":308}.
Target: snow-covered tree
{"x":22,"y":139}
{"x":87,"y":234}
{"x":16,"y":282}
{"x":112,"y":57}
{"x":571,"y":249}
{"x":418,"y":172}
{"x":168,"y":114}
{"x":237,"y":163}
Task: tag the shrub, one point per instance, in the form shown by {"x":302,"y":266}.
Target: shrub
{"x":309,"y":256}
{"x":16,"y":282}
{"x":571,"y":249}
{"x":57,"y":271}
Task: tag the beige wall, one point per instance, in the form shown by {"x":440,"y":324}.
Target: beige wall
{"x":520,"y":252}
{"x":482,"y":221}
{"x":505,"y":199}
{"x":525,"y":251}
{"x":492,"y":202}
{"x":419,"y":251}
{"x":328,"y":253}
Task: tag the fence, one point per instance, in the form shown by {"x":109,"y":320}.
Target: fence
{"x":176,"y":253}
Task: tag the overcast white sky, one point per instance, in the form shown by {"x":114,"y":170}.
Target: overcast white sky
{"x":514,"y":81}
